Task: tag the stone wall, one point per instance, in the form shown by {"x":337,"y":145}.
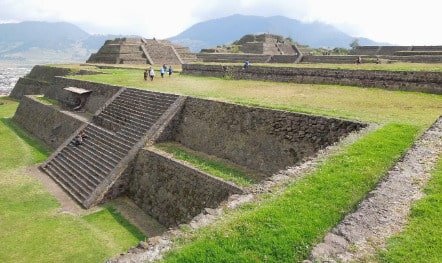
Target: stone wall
{"x":260,"y":139}
{"x":100,"y":92}
{"x":232,"y":58}
{"x":47,"y":73}
{"x":421,"y":81}
{"x":27,"y":86}
{"x":173,"y":192}
{"x":45,"y":122}
{"x":337,"y":59}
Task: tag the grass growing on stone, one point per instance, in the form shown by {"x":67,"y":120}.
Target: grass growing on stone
{"x":284,"y":227}
{"x":47,"y":101}
{"x":210,"y":165}
{"x":31,"y":227}
{"x":421,"y":240}
{"x":365,"y":104}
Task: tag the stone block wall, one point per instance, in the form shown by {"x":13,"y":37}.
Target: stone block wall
{"x":47,"y":73}
{"x":421,"y":81}
{"x":45,"y":122}
{"x":173,"y":192}
{"x":100,"y":92}
{"x":233,"y":58}
{"x":260,"y":139}
{"x":27,"y":86}
{"x":351,"y":59}
{"x":252,"y":48}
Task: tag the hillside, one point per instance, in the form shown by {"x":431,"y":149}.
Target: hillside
{"x":228,"y":29}
{"x":47,"y":42}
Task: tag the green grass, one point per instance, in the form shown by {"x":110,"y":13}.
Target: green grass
{"x":370,"y":105}
{"x":31,"y":227}
{"x":284,"y":227}
{"x":210,"y":165}
{"x":421,"y":240}
{"x":47,"y":101}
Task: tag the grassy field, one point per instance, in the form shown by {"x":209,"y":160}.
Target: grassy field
{"x":284,"y":227}
{"x":370,"y":105}
{"x":211,"y":165}
{"x":421,"y":241}
{"x":281,"y":227}
{"x":31,"y":227}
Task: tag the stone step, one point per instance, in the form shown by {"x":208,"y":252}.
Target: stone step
{"x":113,"y":141}
{"x":142,"y":125}
{"x":78,"y":157}
{"x":76,"y":171}
{"x":107,"y":146}
{"x":135,"y":93}
{"x":141,"y":104}
{"x":68,"y":175}
{"x":95,"y":151}
{"x":109,"y":136}
{"x":128,"y":114}
{"x":55,"y":173}
{"x":95,"y":159}
{"x":104,"y":150}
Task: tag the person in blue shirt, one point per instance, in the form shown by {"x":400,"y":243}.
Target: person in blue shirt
{"x":170,"y":71}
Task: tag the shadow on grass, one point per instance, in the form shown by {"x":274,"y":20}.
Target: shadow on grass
{"x":123,"y":222}
{"x":37,"y":145}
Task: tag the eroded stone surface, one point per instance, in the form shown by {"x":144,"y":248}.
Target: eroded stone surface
{"x":384,"y":212}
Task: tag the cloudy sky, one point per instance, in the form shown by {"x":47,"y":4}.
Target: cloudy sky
{"x":403,"y":22}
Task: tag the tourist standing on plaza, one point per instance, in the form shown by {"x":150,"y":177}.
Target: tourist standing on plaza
{"x":170,"y":70}
{"x":162,"y":71}
{"x":145,"y":75}
{"x":151,"y":73}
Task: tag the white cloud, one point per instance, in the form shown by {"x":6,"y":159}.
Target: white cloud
{"x":400,"y":22}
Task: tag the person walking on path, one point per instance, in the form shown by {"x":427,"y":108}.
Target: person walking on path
{"x":170,"y":71}
{"x":145,"y":75}
{"x":162,"y":71}
{"x":151,"y":73}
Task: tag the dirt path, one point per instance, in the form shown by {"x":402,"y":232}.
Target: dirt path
{"x":385,"y":210}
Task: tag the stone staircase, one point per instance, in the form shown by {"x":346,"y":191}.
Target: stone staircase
{"x":115,"y":135}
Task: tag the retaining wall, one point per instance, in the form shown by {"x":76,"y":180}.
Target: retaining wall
{"x":100,"y":92}
{"x":261,"y":139}
{"x":27,"y":86}
{"x":173,"y":192}
{"x":45,"y":122}
{"x":421,"y":81}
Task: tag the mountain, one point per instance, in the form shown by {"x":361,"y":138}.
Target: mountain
{"x":228,"y":29}
{"x":33,"y":41}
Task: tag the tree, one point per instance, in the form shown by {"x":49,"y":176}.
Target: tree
{"x":354,"y":44}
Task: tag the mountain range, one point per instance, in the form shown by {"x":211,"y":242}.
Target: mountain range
{"x":62,"y":42}
{"x":228,"y":29}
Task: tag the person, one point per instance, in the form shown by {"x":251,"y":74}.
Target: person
{"x":162,"y":71}
{"x":246,"y":64}
{"x":378,"y":61}
{"x":151,"y":74}
{"x":359,"y":60}
{"x":145,"y":75}
{"x":170,"y":71}
{"x":78,"y":140}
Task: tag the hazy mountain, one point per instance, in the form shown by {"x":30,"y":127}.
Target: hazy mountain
{"x":228,"y":29}
{"x":47,"y":42}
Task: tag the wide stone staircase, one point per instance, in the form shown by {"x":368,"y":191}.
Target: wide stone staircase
{"x":113,"y":138}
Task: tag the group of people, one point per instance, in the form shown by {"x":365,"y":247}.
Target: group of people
{"x":163,"y":70}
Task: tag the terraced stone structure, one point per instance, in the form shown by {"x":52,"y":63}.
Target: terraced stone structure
{"x":141,"y":51}
{"x":264,"y":48}
{"x":121,"y":126}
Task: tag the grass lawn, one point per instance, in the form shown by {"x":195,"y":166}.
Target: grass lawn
{"x":421,"y":240}
{"x":210,"y":165}
{"x":284,"y":227}
{"x":370,"y":105}
{"x":31,"y":228}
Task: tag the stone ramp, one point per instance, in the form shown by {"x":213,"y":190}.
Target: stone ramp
{"x":116,"y":134}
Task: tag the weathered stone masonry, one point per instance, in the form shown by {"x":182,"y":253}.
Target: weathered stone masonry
{"x":421,"y":81}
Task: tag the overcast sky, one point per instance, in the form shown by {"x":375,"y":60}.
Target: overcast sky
{"x":403,"y":22}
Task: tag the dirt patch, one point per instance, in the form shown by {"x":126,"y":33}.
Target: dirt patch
{"x":385,"y":210}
